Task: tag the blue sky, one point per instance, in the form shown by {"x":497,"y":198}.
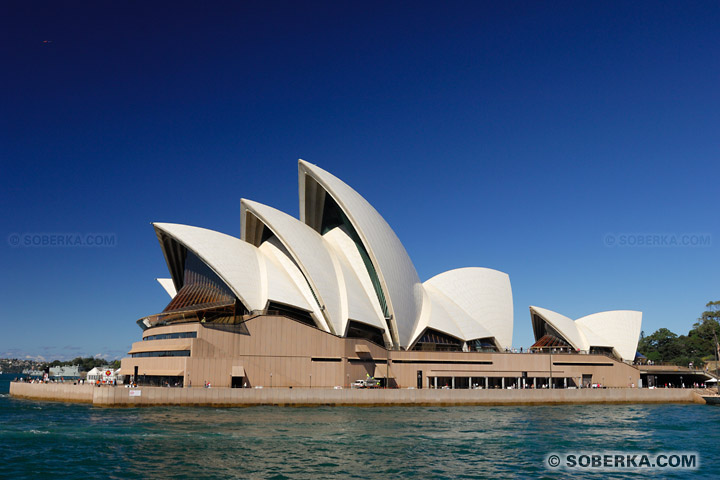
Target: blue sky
{"x":519,"y":136}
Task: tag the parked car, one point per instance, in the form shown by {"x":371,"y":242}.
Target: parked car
{"x":367,"y":383}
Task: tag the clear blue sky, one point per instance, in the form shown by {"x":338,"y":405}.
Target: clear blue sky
{"x":509,"y":135}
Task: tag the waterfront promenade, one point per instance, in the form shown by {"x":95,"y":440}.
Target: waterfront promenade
{"x":239,"y":397}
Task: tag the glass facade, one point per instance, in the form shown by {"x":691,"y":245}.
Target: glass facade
{"x":169,"y":336}
{"x":202,"y":297}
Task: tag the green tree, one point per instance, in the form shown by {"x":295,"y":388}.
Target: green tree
{"x":698,"y":346}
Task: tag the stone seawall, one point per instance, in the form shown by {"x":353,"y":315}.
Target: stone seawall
{"x":56,"y":392}
{"x":233,"y":397}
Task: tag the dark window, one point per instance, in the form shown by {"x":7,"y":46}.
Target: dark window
{"x":292,"y":312}
{"x":160,"y":381}
{"x":607,"y":351}
{"x":434,"y":341}
{"x":482,"y":345}
{"x":361,"y":330}
{"x":163,"y":353}
{"x":168,"y":336}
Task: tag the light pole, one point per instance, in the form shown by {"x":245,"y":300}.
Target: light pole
{"x":550,"y":351}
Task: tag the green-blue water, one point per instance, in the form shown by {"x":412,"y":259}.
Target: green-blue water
{"x":52,"y":440}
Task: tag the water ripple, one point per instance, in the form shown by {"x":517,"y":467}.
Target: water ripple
{"x":79,"y":441}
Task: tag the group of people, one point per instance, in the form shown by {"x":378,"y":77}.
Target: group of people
{"x":46,"y":379}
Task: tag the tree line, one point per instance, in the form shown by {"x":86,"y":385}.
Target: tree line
{"x":85,"y":363}
{"x":699,"y":346}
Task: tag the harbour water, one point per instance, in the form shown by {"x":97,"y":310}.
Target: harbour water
{"x":55,"y":440}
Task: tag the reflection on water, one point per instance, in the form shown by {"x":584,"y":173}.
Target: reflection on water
{"x":79,"y":441}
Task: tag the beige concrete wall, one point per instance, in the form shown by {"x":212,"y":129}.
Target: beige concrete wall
{"x":59,"y":392}
{"x":392,"y":397}
{"x":119,"y":396}
{"x":280,"y":352}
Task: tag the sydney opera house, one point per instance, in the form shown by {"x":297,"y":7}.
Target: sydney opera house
{"x":333,"y":297}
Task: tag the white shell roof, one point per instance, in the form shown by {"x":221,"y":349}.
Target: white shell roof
{"x":447,"y":317}
{"x":327,"y":276}
{"x":485,"y":297}
{"x":311,"y":254}
{"x":362,"y":303}
{"x":564,"y":326}
{"x":282,"y":273}
{"x":168,"y":285}
{"x":618,"y":329}
{"x":252,"y":277}
{"x":400,"y":282}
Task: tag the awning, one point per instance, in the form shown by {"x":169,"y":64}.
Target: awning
{"x":238,"y":371}
{"x":161,"y":373}
{"x":154,"y":347}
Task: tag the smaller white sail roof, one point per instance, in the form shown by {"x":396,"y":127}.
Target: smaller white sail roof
{"x":484,"y":296}
{"x":619,"y":328}
{"x":561,"y":324}
{"x":616,"y":329}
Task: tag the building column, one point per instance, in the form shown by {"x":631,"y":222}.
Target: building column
{"x":565,"y":382}
{"x":435,"y":379}
{"x":486,"y":383}
{"x":452,"y":383}
{"x":503,"y":383}
{"x":534,"y":382}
